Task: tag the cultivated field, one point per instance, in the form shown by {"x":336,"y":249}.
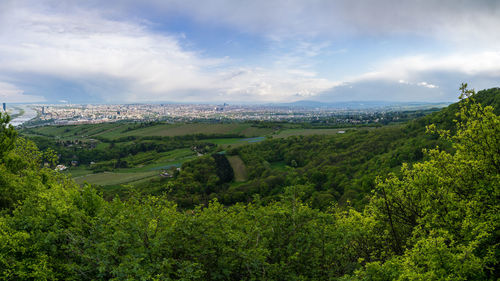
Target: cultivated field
{"x":112,"y":178}
{"x":306,"y":132}
{"x":117,"y":130}
{"x":239,"y":168}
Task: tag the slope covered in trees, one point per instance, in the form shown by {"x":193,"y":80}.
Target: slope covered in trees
{"x":340,"y":168}
{"x":433,"y":220}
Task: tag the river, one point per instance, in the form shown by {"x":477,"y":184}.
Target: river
{"x":29,"y":113}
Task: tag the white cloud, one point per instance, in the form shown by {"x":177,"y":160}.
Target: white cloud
{"x":427,"y":85}
{"x":458,"y":21}
{"x":89,"y":48}
{"x":422,"y":84}
{"x":467,"y":22}
{"x":410,"y":69}
{"x":126,"y":62}
{"x":272,"y":85}
{"x":421,"y":78}
{"x":119,"y":57}
{"x":10,"y":93}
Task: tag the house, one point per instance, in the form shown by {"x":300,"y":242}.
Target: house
{"x":60,"y":168}
{"x":165,"y":175}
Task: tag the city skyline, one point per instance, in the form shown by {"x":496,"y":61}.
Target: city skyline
{"x":245,"y":51}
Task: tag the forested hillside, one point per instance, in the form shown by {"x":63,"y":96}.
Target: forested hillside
{"x":331,"y":168}
{"x":312,"y":209}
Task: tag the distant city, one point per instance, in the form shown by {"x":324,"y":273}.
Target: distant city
{"x":57,"y":114}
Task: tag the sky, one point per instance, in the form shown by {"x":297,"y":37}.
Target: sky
{"x":246,"y":51}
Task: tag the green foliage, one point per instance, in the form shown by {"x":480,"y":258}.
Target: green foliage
{"x":196,"y":182}
{"x":21,"y":172}
{"x":224,"y":170}
{"x":7,"y":135}
{"x":341,"y":167}
{"x":442,"y":215}
{"x":63,"y":233}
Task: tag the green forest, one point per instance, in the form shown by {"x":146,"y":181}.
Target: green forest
{"x":412,"y":200}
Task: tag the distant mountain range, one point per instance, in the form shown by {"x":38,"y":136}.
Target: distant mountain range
{"x":362,"y":104}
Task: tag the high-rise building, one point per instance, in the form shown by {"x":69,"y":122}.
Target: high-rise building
{"x":4,"y":106}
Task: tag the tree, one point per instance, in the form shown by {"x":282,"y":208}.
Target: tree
{"x":7,"y":135}
{"x":443,"y":215}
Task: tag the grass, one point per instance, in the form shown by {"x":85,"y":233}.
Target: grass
{"x":117,"y":130}
{"x":168,"y":130}
{"x":306,"y":132}
{"x":157,"y":161}
{"x":235,"y":142}
{"x":78,"y":171}
{"x":255,"y":132}
{"x":107,"y":129}
{"x":225,"y":141}
{"x":176,"y":155}
{"x":113,"y":178}
{"x":172,"y":130}
{"x":239,"y":168}
{"x":148,"y":166}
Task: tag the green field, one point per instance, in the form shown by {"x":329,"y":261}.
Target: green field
{"x":112,"y":178}
{"x":117,"y":130}
{"x":160,"y":161}
{"x":306,"y":132}
{"x":78,"y":171}
{"x":146,"y":165}
{"x":234,"y":142}
{"x":76,"y":131}
{"x":172,"y":130}
{"x":113,"y":131}
{"x":239,"y":168}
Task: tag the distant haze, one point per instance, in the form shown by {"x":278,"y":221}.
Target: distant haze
{"x":255,"y":51}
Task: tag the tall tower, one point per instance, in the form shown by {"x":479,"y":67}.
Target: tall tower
{"x":4,"y":106}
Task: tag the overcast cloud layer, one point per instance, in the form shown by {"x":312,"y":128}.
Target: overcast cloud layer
{"x":246,"y":51}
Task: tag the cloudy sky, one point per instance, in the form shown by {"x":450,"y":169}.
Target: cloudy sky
{"x":241,"y":51}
